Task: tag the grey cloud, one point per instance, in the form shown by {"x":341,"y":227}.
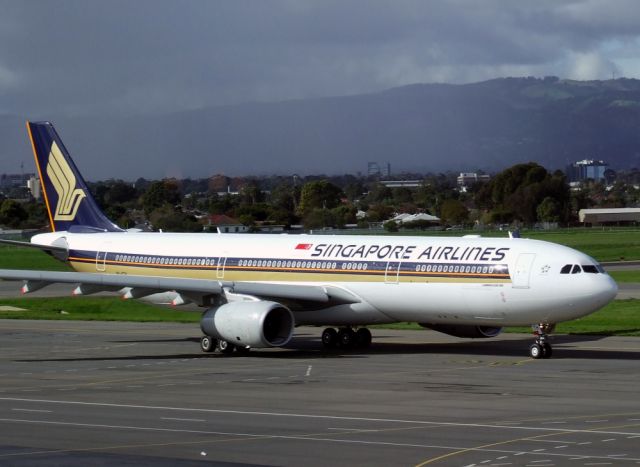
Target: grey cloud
{"x":91,"y":57}
{"x":146,"y":56}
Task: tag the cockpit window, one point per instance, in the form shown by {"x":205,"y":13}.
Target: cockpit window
{"x":590,"y":268}
{"x":576,"y":269}
{"x":566,"y":269}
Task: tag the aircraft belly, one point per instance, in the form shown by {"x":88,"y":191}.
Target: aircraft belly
{"x":347,"y":314}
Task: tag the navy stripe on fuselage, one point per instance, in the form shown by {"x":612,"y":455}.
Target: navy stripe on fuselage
{"x":289,"y":265}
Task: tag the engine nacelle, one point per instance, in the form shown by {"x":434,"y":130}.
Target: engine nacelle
{"x":464,"y":330}
{"x":255,"y":324}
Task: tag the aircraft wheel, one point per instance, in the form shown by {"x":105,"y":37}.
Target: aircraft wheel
{"x":363,"y":338}
{"x":329,"y":338}
{"x":346,"y":338}
{"x":208,"y":344}
{"x":226,"y":347}
{"x":535,"y":351}
{"x":546,"y":350}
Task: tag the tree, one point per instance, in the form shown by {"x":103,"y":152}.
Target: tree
{"x":516,"y":193}
{"x":12,"y":214}
{"x":453,"y":211}
{"x":391,"y":226}
{"x":548,"y":210}
{"x":320,"y":194}
{"x":167,"y":219}
{"x":160,"y":193}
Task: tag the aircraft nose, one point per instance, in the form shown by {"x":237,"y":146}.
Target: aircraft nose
{"x":608,"y":289}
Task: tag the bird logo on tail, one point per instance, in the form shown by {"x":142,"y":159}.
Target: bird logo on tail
{"x":64,"y":182}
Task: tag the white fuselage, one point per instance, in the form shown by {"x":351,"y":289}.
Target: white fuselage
{"x":432,"y":280}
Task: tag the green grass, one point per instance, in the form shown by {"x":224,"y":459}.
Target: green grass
{"x":601,"y":244}
{"x":12,"y":257}
{"x":625,"y":276}
{"x":93,"y":309}
{"x":619,"y":318}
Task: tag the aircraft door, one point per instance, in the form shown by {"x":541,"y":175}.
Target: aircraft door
{"x":222,"y":262}
{"x":101,"y":258}
{"x":392,"y":272}
{"x":522,"y":273}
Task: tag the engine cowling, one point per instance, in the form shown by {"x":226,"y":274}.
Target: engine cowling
{"x":254,"y":324}
{"x":464,"y":330}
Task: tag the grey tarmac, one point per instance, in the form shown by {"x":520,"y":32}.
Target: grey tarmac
{"x":97,"y":393}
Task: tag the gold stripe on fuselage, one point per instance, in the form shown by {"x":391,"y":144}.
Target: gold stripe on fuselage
{"x":234,"y":273}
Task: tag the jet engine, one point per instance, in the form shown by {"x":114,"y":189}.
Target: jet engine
{"x":464,"y":331}
{"x":255,"y":324}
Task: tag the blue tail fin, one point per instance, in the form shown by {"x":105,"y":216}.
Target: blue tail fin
{"x":69,"y":202}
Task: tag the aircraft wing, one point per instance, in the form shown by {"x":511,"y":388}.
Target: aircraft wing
{"x":141,"y":286}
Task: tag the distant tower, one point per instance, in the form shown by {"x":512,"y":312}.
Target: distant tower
{"x":373,"y":169}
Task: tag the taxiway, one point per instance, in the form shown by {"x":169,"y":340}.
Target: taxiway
{"x":86,"y":393}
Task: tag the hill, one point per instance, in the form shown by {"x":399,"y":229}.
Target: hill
{"x":423,"y":127}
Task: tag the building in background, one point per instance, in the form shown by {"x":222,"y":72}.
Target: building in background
{"x":376,"y":170}
{"x":466,"y":179}
{"x":587,"y":169}
{"x":34,"y":186}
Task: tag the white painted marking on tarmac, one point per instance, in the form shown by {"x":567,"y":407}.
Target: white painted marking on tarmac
{"x":183,"y":419}
{"x":595,"y":421}
{"x":309,"y":370}
{"x":539,"y":450}
{"x":633,"y":437}
{"x":561,"y":447}
{"x":608,"y":440}
{"x":32,"y":410}
{"x":552,"y":441}
{"x":582,"y":444}
{"x":312,"y":416}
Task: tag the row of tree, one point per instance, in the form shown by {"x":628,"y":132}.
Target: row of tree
{"x":524,"y":194}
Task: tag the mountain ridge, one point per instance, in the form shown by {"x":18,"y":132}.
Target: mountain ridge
{"x":488,"y":125}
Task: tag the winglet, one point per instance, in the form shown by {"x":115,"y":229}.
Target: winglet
{"x":69,"y":201}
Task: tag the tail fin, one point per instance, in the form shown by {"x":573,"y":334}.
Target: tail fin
{"x":69,"y":201}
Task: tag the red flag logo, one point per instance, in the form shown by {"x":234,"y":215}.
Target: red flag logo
{"x":304,"y":246}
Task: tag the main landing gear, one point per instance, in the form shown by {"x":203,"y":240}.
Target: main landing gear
{"x":541,"y":348}
{"x":346,"y":338}
{"x":210,"y":344}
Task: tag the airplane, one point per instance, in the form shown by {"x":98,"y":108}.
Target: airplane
{"x":255,"y":289}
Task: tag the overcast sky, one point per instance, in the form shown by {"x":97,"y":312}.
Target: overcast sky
{"x":132,"y":57}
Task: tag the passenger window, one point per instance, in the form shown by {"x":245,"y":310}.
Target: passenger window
{"x":576,"y":269}
{"x":590,"y":268}
{"x":566,"y":269}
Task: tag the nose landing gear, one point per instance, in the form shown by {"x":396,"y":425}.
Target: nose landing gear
{"x":541,"y":348}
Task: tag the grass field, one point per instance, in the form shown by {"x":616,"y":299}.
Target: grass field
{"x":619,"y":318}
{"x":92,"y":309}
{"x":12,"y":257}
